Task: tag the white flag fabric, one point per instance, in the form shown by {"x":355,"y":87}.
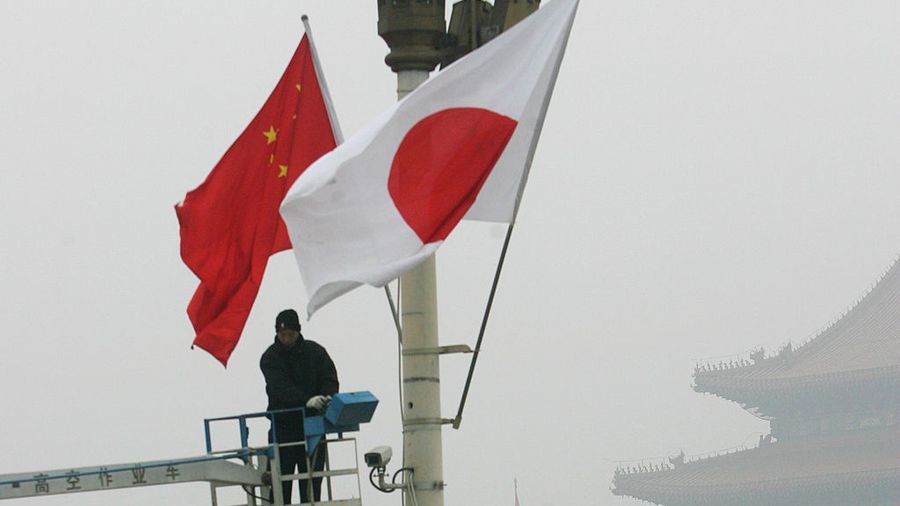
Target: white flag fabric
{"x":459,"y":146}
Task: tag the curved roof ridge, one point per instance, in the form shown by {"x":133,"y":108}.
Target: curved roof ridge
{"x":827,"y":465}
{"x":865,"y":336}
{"x":881,"y":285}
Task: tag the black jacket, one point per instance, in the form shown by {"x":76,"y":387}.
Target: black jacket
{"x":293,"y":376}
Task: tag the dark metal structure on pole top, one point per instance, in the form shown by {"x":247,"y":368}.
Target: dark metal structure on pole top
{"x":413,"y":29}
{"x":416,"y":32}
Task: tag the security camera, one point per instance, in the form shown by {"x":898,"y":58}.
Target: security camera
{"x":378,"y":457}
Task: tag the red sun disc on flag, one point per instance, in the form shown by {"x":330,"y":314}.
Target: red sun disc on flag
{"x":441,"y":165}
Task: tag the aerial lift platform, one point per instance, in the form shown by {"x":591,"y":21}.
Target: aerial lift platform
{"x":246,"y":466}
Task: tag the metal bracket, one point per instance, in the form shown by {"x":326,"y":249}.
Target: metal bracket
{"x":425,"y":424}
{"x":440,"y":350}
{"x":430,"y":485}
{"x":428,"y":421}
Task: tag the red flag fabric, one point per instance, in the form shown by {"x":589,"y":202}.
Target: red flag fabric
{"x":230,"y":224}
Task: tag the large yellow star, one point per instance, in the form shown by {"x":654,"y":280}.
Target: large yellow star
{"x":271,"y":135}
{"x":282,"y":170}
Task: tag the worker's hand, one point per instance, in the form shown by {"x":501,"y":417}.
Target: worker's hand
{"x":318,"y":402}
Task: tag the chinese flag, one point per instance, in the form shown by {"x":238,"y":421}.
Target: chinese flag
{"x":230,"y":224}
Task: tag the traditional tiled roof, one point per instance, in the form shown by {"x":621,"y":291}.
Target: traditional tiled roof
{"x":861,"y":346}
{"x":851,"y":468}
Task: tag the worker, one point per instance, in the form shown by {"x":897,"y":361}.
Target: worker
{"x":299,"y":374}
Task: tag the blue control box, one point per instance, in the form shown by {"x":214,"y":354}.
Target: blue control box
{"x":351,"y":408}
{"x":344,"y":414}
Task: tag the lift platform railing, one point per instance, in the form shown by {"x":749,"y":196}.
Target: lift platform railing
{"x":268,"y":458}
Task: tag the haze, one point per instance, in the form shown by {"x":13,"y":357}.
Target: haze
{"x":712,"y":177}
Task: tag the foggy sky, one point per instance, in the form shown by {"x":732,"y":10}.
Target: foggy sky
{"x":712,"y":177}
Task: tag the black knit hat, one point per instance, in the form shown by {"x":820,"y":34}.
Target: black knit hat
{"x":287,"y":319}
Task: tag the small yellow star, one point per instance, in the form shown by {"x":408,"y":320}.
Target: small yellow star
{"x":282,"y":170}
{"x":271,"y":135}
{"x":298,"y":86}
{"x":271,"y":158}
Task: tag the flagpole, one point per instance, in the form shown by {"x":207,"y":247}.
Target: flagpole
{"x":323,"y":85}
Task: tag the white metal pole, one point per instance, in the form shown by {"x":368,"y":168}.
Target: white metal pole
{"x":323,"y":85}
{"x":422,"y":446}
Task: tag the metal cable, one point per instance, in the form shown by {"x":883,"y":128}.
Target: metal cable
{"x":409,"y":486}
{"x":251,"y":494}
{"x":412,"y":487}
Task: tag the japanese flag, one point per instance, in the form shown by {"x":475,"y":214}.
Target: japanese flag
{"x":459,"y":146}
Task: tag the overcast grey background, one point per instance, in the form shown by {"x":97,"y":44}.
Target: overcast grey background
{"x":712,"y":176}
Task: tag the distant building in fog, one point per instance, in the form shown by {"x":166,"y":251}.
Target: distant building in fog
{"x":834,"y":410}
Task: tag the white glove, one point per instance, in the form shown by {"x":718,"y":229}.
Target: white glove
{"x":318,"y":402}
